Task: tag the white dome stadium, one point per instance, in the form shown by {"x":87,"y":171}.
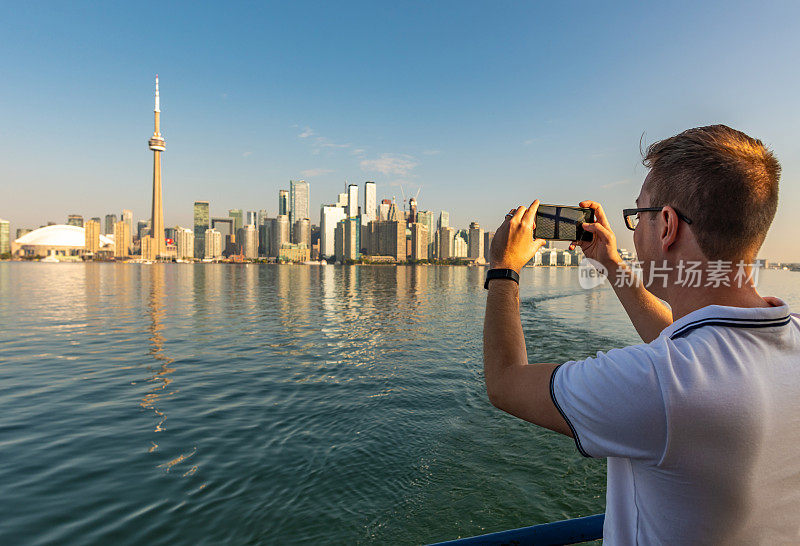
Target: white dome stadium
{"x":59,"y":235}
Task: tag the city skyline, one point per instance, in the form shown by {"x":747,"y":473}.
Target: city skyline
{"x":550,"y":103}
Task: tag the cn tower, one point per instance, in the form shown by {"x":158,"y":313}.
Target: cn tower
{"x":158,"y":145}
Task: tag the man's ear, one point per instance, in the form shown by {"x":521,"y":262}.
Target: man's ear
{"x":669,"y":227}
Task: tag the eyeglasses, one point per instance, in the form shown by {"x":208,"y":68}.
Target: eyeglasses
{"x":631,"y":216}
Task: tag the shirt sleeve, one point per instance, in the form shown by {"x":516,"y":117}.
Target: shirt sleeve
{"x":613,"y":404}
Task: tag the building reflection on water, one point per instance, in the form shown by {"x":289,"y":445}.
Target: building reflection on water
{"x":161,"y":379}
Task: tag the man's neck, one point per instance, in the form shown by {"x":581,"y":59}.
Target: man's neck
{"x":684,"y":300}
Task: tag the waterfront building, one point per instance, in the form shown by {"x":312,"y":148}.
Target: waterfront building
{"x":425,"y":217}
{"x":394,"y":213}
{"x":475,"y":251}
{"x":444,"y":244}
{"x":352,"y":200}
{"x":280,"y":234}
{"x":122,"y":234}
{"x":60,"y":241}
{"x":383,"y":210}
{"x":111,"y":219}
{"x":419,"y":241}
{"x":169,"y":235}
{"x":290,"y":252}
{"x":227,"y":224}
{"x":262,"y":217}
{"x":264,"y":237}
{"x":201,"y":221}
{"x":5,"y":236}
{"x":341,"y":200}
{"x":412,"y":211}
{"x":283,"y":202}
{"x":213,"y":244}
{"x":238,"y":219}
{"x":20,"y":233}
{"x":347,"y":239}
{"x":158,"y":247}
{"x":460,"y":247}
{"x":370,"y":212}
{"x":444,"y":219}
{"x":299,"y":201}
{"x":92,"y":237}
{"x":184,"y":243}
{"x":251,"y":218}
{"x":127,"y":217}
{"x":75,"y":220}
{"x":329,"y":216}
{"x":248,"y":242}
{"x":487,"y":246}
{"x":142,"y":229}
{"x":387,"y":239}
{"x":97,"y":219}
{"x":301,"y":232}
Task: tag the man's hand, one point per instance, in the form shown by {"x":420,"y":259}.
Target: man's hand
{"x":603,"y":246}
{"x":513,"y":245}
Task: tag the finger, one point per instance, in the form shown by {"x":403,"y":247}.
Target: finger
{"x":598,"y":229}
{"x":538,"y":243}
{"x":529,"y":217}
{"x":518,"y":214}
{"x":599,"y":213}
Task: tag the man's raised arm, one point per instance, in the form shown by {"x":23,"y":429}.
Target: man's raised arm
{"x":512,"y":384}
{"x":648,"y":314}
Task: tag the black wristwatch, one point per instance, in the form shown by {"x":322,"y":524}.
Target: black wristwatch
{"x":500,"y":274}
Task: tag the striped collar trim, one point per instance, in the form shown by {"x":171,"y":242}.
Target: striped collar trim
{"x":737,"y":317}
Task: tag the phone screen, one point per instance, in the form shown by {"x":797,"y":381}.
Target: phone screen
{"x":561,"y":223}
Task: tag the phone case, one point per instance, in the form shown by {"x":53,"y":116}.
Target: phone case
{"x":562,"y":223}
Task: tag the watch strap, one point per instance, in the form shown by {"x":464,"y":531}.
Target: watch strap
{"x":500,"y":274}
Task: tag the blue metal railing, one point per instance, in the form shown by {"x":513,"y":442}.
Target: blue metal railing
{"x":569,"y":531}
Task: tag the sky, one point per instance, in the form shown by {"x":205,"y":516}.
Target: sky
{"x":478,"y":106}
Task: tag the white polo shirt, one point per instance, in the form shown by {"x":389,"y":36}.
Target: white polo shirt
{"x":701,"y":428}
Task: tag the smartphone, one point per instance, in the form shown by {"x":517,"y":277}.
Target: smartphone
{"x":562,"y":223}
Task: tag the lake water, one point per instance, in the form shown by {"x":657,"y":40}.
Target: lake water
{"x":199,"y":404}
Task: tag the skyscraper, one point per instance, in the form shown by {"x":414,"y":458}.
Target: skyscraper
{"x":249,"y":242}
{"x":202,"y":221}
{"x":238,"y":219}
{"x":111,"y":219}
{"x":142,"y":229}
{"x":280,"y":234}
{"x":127,"y":217}
{"x":329,"y":216}
{"x":262,"y":217}
{"x":75,"y":220}
{"x":301,"y":232}
{"x":184,"y":241}
{"x":425,"y":217}
{"x":122,"y":234}
{"x":475,"y":242}
{"x":92,"y":236}
{"x":444,"y":219}
{"x":487,"y":245}
{"x":283,"y":202}
{"x":352,"y":200}
{"x":370,"y":211}
{"x":299,"y":201}
{"x":412,"y":211}
{"x":419,"y":242}
{"x":158,"y":247}
{"x":5,"y":236}
{"x":383,"y":210}
{"x":213,"y":244}
{"x":251,"y":218}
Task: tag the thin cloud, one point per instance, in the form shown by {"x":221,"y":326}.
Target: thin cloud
{"x":390,"y":164}
{"x":432,"y":152}
{"x":615,"y":184}
{"x":247,"y":153}
{"x":307,"y":132}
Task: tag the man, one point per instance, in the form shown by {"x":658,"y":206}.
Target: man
{"x":701,"y":423}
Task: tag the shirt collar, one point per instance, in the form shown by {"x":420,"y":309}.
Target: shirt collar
{"x":722,"y":315}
